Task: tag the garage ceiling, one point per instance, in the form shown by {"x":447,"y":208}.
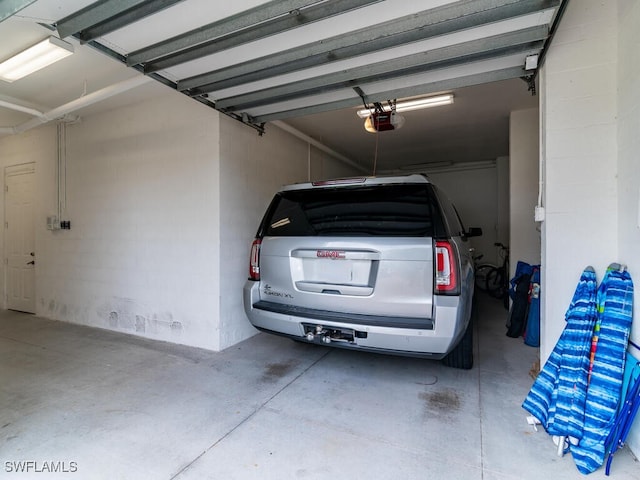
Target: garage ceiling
{"x":264,"y":61}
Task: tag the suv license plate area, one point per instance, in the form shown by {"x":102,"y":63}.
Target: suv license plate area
{"x":323,"y":334}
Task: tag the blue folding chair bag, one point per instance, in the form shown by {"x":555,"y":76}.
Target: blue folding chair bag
{"x":558,"y":395}
{"x":521,"y":268}
{"x":615,"y":315}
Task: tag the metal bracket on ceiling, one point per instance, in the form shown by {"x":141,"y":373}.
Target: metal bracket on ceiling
{"x":241,"y":117}
{"x":376,"y":106}
{"x":248,"y":120}
{"x":361,"y":94}
{"x":531,"y":83}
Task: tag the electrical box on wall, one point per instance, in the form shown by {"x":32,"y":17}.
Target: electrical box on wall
{"x":52,"y":223}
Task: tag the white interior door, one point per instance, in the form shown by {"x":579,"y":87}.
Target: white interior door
{"x":20,"y":238}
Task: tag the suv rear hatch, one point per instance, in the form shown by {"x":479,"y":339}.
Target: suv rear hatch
{"x":362,"y":250}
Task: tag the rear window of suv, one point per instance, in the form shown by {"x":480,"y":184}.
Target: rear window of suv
{"x":407,"y":210}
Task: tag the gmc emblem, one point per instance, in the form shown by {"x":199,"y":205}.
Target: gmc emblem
{"x":333,"y":254}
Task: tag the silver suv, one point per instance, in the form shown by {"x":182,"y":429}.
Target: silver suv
{"x":379,"y":263}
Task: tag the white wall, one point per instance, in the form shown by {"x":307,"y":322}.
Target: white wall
{"x":142,"y":198}
{"x":591,"y":120}
{"x":164,"y":198}
{"x":629,"y":145}
{"x":475,"y":194}
{"x":628,"y":22}
{"x":253,"y":168}
{"x":523,"y":172}
{"x":578,"y":103}
{"x":504,"y":217}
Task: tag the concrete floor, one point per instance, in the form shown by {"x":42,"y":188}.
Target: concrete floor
{"x":111,"y":406}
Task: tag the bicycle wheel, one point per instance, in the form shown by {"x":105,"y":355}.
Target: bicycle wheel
{"x":495,"y":283}
{"x":481,"y":275}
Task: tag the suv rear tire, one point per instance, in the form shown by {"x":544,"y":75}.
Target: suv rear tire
{"x":462,"y":355}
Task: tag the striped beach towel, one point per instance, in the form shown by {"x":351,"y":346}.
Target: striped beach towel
{"x":615,"y":315}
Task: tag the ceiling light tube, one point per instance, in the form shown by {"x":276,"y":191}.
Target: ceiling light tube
{"x":40,"y":55}
{"x":416,"y":104}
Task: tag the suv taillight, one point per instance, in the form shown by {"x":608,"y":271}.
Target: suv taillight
{"x":254,"y":260}
{"x":446,"y":269}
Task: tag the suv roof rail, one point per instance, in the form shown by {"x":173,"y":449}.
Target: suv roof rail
{"x":377,"y":180}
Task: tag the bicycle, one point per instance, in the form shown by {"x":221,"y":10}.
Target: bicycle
{"x":497,"y":279}
{"x":480,"y":272}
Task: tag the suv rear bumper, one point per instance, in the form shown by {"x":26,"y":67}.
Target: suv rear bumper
{"x":399,"y":336}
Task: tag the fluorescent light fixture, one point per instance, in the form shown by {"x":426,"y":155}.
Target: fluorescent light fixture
{"x":40,"y":55}
{"x":417,"y":104}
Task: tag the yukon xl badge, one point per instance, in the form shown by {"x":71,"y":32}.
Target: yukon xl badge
{"x":332,"y":254}
{"x":268,"y":291}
